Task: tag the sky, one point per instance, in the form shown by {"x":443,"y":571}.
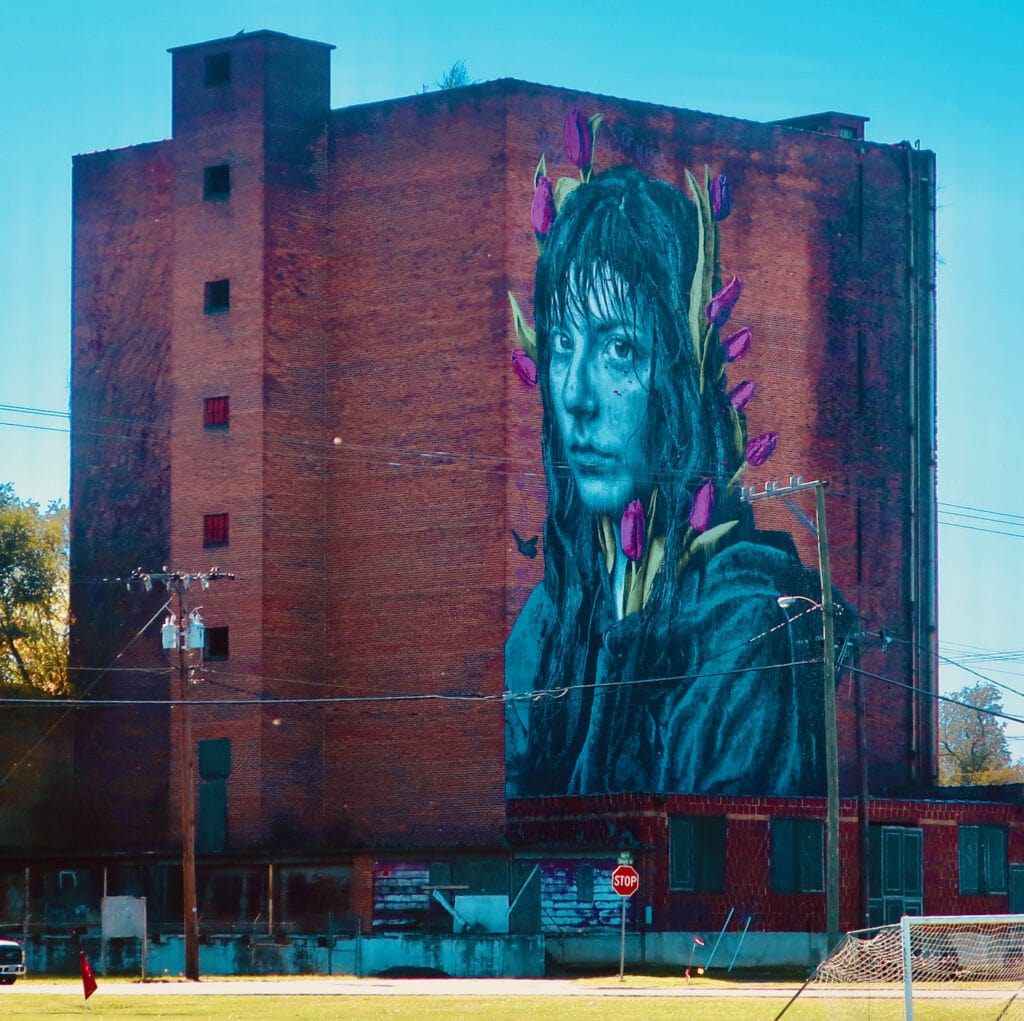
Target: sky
{"x":79,"y":77}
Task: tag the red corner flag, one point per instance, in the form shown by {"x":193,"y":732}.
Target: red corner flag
{"x":88,"y":980}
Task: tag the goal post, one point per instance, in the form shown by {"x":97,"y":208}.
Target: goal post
{"x":964,"y":962}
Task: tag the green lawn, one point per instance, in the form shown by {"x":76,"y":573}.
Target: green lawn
{"x":420,"y":1008}
{"x":110,"y":1003}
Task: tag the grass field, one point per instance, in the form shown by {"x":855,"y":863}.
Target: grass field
{"x":421,"y":1008}
{"x":696,"y":1002}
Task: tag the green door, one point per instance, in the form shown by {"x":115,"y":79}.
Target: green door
{"x":895,"y":873}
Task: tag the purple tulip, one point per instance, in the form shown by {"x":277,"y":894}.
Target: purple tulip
{"x":542,"y":210}
{"x":737,"y":344}
{"x":760,"y":448}
{"x":525,"y":367}
{"x":721,"y":197}
{"x":739,"y":396}
{"x":578,"y":141}
{"x":632,"y":529}
{"x":722,"y":304}
{"x":703,"y":505}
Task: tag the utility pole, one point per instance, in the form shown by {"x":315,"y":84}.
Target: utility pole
{"x":828,"y":680}
{"x":182,"y":633}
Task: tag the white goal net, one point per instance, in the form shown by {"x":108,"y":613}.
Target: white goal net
{"x":964,"y":966}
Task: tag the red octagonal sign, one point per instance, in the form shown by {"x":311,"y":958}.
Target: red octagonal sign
{"x":625,"y":880}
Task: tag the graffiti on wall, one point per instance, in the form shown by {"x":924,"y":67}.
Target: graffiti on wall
{"x":655,"y":654}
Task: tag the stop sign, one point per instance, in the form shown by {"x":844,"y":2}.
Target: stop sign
{"x":625,"y":880}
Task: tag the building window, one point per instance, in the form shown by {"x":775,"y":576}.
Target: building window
{"x":217,"y":182}
{"x":216,"y":643}
{"x":798,"y":855}
{"x":217,"y":70}
{"x":215,"y":529}
{"x":696,"y":851}
{"x":216,"y":412}
{"x":982,"y":859}
{"x":216,"y":296}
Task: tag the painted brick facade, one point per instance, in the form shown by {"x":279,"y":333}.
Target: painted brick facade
{"x":380,"y":451}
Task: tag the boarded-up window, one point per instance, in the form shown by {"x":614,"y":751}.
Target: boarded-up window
{"x":697,"y":853}
{"x":797,"y":856}
{"x":216,"y":412}
{"x":215,"y":529}
{"x":982,"y":859}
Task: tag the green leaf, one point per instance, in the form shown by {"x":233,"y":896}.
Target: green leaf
{"x":564,"y":187}
{"x":739,"y":432}
{"x":697,"y":301}
{"x":541,"y":171}
{"x":652,"y":565}
{"x":525,"y":334}
{"x":706,"y":540}
{"x":606,"y":539}
{"x":736,"y":476}
{"x":593,"y":124}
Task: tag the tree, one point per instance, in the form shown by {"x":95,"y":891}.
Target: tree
{"x":454,"y":78}
{"x":972,"y":741}
{"x":33,"y":596}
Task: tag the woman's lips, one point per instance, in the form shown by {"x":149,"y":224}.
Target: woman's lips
{"x":589,"y":460}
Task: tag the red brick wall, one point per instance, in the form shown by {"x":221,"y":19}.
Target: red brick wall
{"x":120,"y":481}
{"x":417,"y":529}
{"x":369,"y":253}
{"x":638,"y":823}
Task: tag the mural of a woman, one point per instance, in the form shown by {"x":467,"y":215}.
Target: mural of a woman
{"x":654,"y":655}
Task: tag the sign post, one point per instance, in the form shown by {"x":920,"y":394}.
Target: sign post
{"x":625,"y":882}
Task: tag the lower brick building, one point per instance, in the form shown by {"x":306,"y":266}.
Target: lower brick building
{"x":470,"y":392}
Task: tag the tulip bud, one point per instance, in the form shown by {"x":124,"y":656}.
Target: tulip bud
{"x":632,"y":529}
{"x":542,"y":210}
{"x":739,"y":396}
{"x":760,"y":448}
{"x":578,"y":142}
{"x":720,"y":195}
{"x":525,"y":367}
{"x":722,"y":304}
{"x":703,"y":505}
{"x":737,"y":344}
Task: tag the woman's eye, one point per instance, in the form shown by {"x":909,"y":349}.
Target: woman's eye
{"x":621,"y":348}
{"x":561,"y":342}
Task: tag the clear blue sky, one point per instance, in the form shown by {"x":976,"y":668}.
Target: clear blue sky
{"x":77,"y":77}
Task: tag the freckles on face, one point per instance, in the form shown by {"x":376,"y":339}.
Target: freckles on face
{"x":600,"y":375}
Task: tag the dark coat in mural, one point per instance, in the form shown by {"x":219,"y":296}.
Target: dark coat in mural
{"x":655,"y":655}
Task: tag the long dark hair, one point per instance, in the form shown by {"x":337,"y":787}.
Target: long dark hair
{"x":643,"y":235}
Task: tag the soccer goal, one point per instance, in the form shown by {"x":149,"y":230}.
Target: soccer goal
{"x":944,"y":966}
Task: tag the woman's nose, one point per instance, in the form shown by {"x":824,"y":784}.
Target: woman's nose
{"x":578,"y":392}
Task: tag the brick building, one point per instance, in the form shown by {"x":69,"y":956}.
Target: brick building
{"x":291,"y":360}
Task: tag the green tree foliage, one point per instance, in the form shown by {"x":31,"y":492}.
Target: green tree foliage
{"x":455,"y":77}
{"x":972,"y":741}
{"x":33,"y":596}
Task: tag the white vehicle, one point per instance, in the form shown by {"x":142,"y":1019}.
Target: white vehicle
{"x":12,"y":961}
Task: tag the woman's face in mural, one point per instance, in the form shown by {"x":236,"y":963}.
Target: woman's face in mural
{"x":600,"y":375}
